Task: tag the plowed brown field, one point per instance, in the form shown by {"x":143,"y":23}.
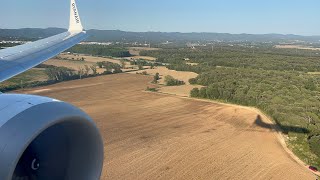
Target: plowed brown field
{"x":157,"y":136}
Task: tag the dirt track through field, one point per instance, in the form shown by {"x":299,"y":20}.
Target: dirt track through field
{"x":156,"y":136}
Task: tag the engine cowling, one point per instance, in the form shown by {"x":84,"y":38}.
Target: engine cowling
{"x":43,"y":138}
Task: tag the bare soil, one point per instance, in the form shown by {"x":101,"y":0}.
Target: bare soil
{"x":69,"y":64}
{"x":183,"y":90}
{"x":163,"y":71}
{"x":296,"y":47}
{"x":136,"y":50}
{"x":147,"y":58}
{"x":91,"y":59}
{"x":157,"y":136}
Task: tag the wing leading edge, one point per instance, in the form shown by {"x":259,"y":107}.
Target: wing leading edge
{"x":18,"y":59}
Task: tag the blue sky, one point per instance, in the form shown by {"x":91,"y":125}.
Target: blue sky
{"x":224,"y":16}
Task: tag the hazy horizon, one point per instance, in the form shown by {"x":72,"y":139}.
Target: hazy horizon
{"x":210,"y":16}
{"x":160,"y":31}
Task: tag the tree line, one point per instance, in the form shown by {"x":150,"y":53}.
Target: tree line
{"x":99,"y":50}
{"x":258,"y":58}
{"x":58,"y":74}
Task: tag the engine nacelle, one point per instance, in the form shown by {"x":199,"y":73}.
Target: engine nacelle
{"x":43,"y":138}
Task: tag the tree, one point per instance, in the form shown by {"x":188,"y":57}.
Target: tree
{"x":310,"y":85}
{"x":116,"y":68}
{"x":108,"y":66}
{"x":86,"y":70}
{"x":170,"y":81}
{"x":123,"y":64}
{"x":94,"y":70}
{"x":194,"y":92}
{"x":203,"y":92}
{"x":112,"y":67}
{"x":100,"y":64}
{"x":156,"y":78}
{"x":59,"y":73}
{"x":80,"y":72}
{"x":193,"y":81}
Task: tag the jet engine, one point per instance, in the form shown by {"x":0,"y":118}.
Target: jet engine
{"x":46,"y":139}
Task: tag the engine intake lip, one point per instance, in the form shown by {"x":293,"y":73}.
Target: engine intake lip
{"x":86,"y":147}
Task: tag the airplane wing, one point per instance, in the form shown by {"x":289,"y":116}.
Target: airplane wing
{"x":18,"y":59}
{"x":40,"y":136}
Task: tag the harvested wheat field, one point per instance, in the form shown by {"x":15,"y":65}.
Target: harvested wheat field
{"x":136,"y":50}
{"x":91,"y":59}
{"x":69,"y":64}
{"x":164,"y":71}
{"x":147,"y":58}
{"x":157,"y":136}
{"x":182,"y":90}
{"x":296,"y":47}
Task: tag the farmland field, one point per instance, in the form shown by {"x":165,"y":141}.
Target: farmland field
{"x":157,"y":136}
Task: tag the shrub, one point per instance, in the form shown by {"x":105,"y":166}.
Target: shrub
{"x":194,"y":92}
{"x":156,"y":78}
{"x":151,"y":89}
{"x":193,"y":81}
{"x":170,"y":81}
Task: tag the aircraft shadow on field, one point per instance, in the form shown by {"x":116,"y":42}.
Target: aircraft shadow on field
{"x":279,"y":127}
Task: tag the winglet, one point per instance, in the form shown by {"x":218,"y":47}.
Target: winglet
{"x":75,"y":21}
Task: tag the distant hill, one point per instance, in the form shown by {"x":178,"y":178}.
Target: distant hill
{"x":154,"y":37}
{"x":28,"y":33}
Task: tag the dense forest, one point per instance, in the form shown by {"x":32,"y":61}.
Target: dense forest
{"x":277,"y":81}
{"x":98,"y":50}
{"x":258,"y":58}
